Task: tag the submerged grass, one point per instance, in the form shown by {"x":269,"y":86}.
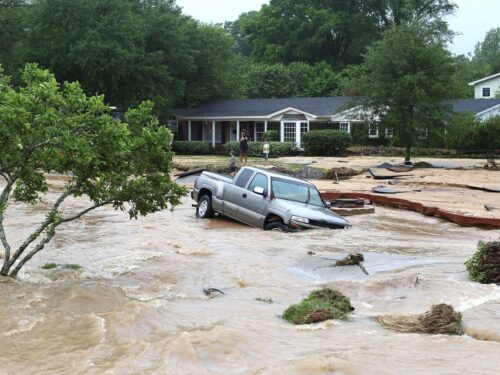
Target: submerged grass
{"x":66,"y":266}
{"x":320,"y":305}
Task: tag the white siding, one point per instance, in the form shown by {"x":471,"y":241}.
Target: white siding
{"x":493,"y":84}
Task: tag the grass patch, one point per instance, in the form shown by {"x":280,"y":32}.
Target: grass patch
{"x":320,"y":305}
{"x":49,"y":266}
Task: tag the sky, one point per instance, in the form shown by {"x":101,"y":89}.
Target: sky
{"x":473,"y":19}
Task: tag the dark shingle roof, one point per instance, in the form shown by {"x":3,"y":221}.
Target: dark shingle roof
{"x":473,"y":105}
{"x":321,"y":107}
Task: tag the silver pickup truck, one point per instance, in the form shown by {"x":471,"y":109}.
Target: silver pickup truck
{"x":264,"y":199}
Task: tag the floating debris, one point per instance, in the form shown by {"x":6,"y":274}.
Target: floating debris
{"x":441,"y":319}
{"x":211,"y":291}
{"x":320,"y":305}
{"x":484,"y":266}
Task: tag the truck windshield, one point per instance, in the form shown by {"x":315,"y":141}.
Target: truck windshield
{"x":296,"y":191}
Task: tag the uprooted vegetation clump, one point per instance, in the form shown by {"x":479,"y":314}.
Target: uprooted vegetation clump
{"x":342,"y":173}
{"x":66,"y":266}
{"x":441,"y":319}
{"x":484,"y":266}
{"x":320,"y":305}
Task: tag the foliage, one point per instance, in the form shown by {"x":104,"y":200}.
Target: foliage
{"x":192,"y":147}
{"x":484,"y":266}
{"x":49,"y":266}
{"x":409,"y":73}
{"x":320,"y":305}
{"x":271,"y":136}
{"x":466,"y":132}
{"x":326,"y":142}
{"x":46,"y":127}
{"x":241,"y":42}
{"x":276,"y":149}
{"x":12,"y":31}
{"x":487,"y":52}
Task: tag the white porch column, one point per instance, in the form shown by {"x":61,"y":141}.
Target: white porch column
{"x":189,"y":131}
{"x":213,"y":133}
{"x":238,"y":130}
{"x":255,"y":131}
{"x":265,"y":126}
{"x":282,"y":131}
{"x":297,"y":133}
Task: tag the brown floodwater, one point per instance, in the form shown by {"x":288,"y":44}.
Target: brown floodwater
{"x":137,"y":305}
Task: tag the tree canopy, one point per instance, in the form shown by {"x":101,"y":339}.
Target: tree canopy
{"x":46,"y":127}
{"x":487,"y":52}
{"x":408,"y":90}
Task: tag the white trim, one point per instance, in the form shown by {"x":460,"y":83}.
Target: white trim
{"x":213,"y":133}
{"x":291,"y":109}
{"x":282,"y":131}
{"x":238,"y":131}
{"x":484,"y":79}
{"x":189,"y":131}
{"x":265,"y":126}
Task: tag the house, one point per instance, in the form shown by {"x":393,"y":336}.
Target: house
{"x":221,"y":121}
{"x":486,"y":88}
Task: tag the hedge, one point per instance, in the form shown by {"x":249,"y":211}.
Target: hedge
{"x":276,"y":149}
{"x":192,"y":147}
{"x":326,"y":142}
{"x":271,"y":135}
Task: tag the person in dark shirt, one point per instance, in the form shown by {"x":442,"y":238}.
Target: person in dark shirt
{"x":243,"y":148}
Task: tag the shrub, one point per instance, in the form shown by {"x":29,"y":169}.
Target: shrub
{"x":271,"y":136}
{"x":276,"y":149}
{"x":484,"y":266}
{"x":192,"y":147}
{"x":326,"y":142}
{"x":320,"y":305}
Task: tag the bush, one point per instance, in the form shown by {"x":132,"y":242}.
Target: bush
{"x":484,"y":266}
{"x":326,"y":142}
{"x":271,"y":136}
{"x":276,"y":149}
{"x":192,"y":148}
{"x":320,"y":305}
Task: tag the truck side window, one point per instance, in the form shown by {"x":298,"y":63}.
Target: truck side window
{"x":258,"y":180}
{"x":243,"y":178}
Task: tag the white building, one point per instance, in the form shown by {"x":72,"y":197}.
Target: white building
{"x":486,"y":88}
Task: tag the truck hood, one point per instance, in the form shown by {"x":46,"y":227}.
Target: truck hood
{"x":320,"y":215}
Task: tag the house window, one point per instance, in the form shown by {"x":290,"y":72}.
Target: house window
{"x":290,"y":134}
{"x":259,"y":130}
{"x":486,"y":92}
{"x":173,"y":126}
{"x":344,"y":126}
{"x":373,"y":130}
{"x":389,"y":132}
{"x":304,"y":127}
{"x":422,"y":133}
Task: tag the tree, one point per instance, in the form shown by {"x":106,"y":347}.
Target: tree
{"x":310,"y":31}
{"x":487,"y":52}
{"x":12,"y":31}
{"x":50,"y":128}
{"x":409,"y":73}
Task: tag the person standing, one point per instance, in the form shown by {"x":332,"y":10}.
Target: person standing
{"x":265,"y":150}
{"x":232,"y":164}
{"x":243,"y":148}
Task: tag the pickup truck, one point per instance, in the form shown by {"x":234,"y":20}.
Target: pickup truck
{"x":265,"y":200}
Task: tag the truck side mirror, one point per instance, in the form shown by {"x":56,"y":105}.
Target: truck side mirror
{"x":328,"y":204}
{"x":259,"y":190}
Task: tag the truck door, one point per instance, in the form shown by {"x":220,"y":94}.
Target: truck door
{"x":252,"y":206}
{"x":233,"y":193}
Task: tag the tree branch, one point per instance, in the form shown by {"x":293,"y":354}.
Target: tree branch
{"x":51,"y":233}
{"x":49,"y":220}
{"x":4,"y":197}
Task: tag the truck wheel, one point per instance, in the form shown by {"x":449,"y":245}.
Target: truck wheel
{"x":204,"y":209}
{"x":277,"y":225}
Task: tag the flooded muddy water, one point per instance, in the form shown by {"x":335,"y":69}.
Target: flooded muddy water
{"x":138,"y":306}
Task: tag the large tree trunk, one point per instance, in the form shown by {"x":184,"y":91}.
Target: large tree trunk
{"x":407,"y":154}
